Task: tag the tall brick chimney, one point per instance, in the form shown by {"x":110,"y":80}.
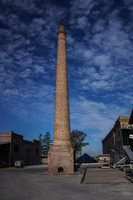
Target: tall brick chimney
{"x":61,"y":154}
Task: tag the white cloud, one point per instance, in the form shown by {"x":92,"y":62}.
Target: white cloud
{"x":105,"y":55}
{"x":39,"y":69}
{"x":82,"y":22}
{"x":99,"y":26}
{"x":99,"y":51}
{"x":25,"y":5}
{"x":102,"y":61}
{"x":79,"y":11}
{"x":11,"y":92}
{"x":87,"y":53}
{"x":100,"y":84}
{"x":69,"y":39}
{"x":87,"y":115}
{"x":30,"y":101}
{"x":129,"y":4}
{"x":77,"y":7}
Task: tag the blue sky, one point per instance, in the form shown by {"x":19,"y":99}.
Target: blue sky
{"x":99,"y":58}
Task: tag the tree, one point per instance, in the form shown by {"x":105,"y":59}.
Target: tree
{"x":46,"y":143}
{"x":77,"y":139}
{"x":41,"y":146}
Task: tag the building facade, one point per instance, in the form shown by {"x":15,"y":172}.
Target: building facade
{"x":119,"y":136}
{"x":14,"y":148}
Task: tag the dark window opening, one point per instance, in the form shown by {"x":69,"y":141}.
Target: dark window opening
{"x":37,"y":150}
{"x":60,"y":169}
{"x":118,"y":133}
{"x":16,"y":148}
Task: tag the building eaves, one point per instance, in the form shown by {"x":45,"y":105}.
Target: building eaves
{"x":2,"y":143}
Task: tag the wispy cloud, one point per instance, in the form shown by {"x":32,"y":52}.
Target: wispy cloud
{"x":28,"y":57}
{"x":99,"y":51}
{"x":105,"y":48}
{"x":87,"y":115}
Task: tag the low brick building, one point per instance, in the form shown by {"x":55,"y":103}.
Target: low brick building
{"x":119,"y":136}
{"x":13,"y":148}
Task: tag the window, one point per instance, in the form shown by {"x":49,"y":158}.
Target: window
{"x":37,"y":150}
{"x":28,"y":150}
{"x":16,"y":148}
{"x":118,"y":133}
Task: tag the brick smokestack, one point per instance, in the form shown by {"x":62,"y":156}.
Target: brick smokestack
{"x":61,"y":154}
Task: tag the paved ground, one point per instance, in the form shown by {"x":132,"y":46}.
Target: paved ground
{"x":102,"y":176}
{"x":34,"y":184}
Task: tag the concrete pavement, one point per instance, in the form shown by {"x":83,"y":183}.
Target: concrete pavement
{"x":104,"y":176}
{"x":34,"y":183}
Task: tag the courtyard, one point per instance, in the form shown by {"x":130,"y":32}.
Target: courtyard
{"x":35,"y":183}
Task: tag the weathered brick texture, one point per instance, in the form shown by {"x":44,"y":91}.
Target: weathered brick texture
{"x":61,"y":154}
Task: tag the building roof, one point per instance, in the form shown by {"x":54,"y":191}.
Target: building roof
{"x":2,"y":143}
{"x":85,"y":158}
{"x":122,"y":121}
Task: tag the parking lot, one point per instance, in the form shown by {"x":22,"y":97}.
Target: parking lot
{"x":35,"y":183}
